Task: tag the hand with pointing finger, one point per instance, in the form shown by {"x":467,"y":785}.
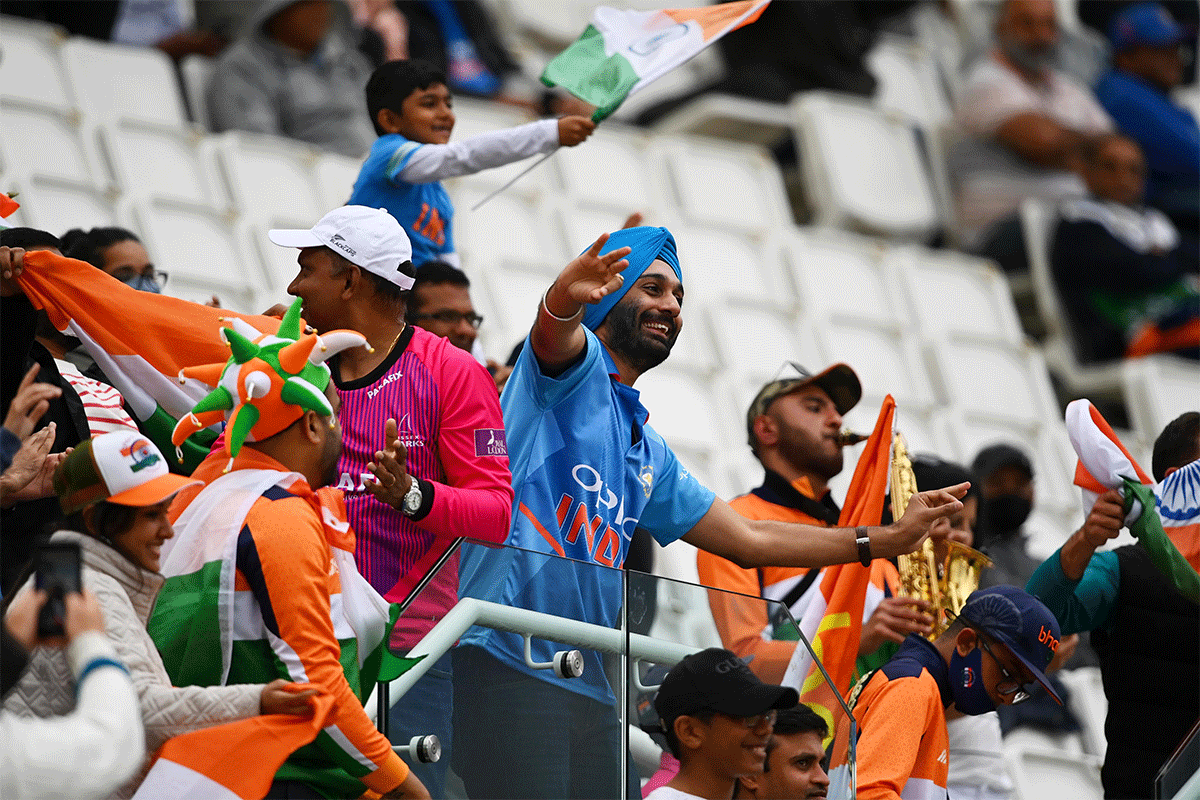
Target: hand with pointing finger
{"x":390,"y":469}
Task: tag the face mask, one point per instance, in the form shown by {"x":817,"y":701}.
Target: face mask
{"x":1006,"y":513}
{"x":144,"y":283}
{"x":966,"y":679}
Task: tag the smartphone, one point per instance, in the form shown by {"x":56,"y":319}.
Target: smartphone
{"x":57,"y":572}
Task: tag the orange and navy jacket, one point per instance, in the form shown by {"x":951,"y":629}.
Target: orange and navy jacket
{"x":743,"y":624}
{"x":900,"y":708}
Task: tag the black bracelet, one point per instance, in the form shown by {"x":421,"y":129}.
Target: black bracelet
{"x":864,"y":545}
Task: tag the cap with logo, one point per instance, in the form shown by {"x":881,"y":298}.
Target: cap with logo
{"x":123,"y":467}
{"x":1148,"y":24}
{"x":1019,"y":621}
{"x":717,"y":680}
{"x":839,"y":382}
{"x":368,"y":237}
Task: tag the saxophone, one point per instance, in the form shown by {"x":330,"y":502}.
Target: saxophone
{"x":944,"y":573}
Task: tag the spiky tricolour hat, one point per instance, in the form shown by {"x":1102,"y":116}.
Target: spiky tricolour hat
{"x":267,"y":384}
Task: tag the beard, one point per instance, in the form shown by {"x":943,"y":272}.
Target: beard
{"x":331,"y":454}
{"x":626,"y":337}
{"x":1030,"y":59}
{"x":808,"y":455}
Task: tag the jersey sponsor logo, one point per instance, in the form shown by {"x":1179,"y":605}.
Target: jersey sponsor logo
{"x":347,"y":482}
{"x":339,"y":242}
{"x":490,"y":442}
{"x":374,"y":390}
{"x":406,"y":435}
{"x":602,"y":539}
{"x":1047,"y":638}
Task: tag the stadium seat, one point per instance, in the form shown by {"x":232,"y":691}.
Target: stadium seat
{"x":727,"y":116}
{"x":1038,"y":221}
{"x":57,"y":204}
{"x":727,"y":184}
{"x":994,"y":379}
{"x":1158,"y":389}
{"x":201,"y":252}
{"x":948,"y":292}
{"x":30,"y":64}
{"x":839,"y":274}
{"x":683,"y":614}
{"x":195,"y":72}
{"x":269,"y":178}
{"x":42,"y":140}
{"x":111,"y":80}
{"x":908,"y":81}
{"x":885,"y":356}
{"x":335,"y":174}
{"x":148,"y":159}
{"x":520,"y":285}
{"x":755,"y":340}
{"x":1090,"y":705}
{"x":581,"y":224}
{"x":685,"y":410}
{"x":863,"y":168}
{"x":509,"y":225}
{"x":719,"y":264}
{"x":1051,"y":774}
{"x":611,"y":169}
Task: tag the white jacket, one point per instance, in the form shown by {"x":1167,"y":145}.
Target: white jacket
{"x":127,"y":593}
{"x":87,"y":753}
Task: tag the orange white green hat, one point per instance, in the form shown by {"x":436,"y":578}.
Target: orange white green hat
{"x":123,"y":467}
{"x":268,"y":382}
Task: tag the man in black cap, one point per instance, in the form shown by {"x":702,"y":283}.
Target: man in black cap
{"x":717,"y":717}
{"x":1005,"y":501}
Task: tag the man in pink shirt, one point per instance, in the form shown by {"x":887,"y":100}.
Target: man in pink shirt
{"x":433,"y":410}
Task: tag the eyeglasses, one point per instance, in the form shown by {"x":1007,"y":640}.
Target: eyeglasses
{"x":449,"y":317}
{"x":756,"y":720}
{"x":1010,"y":684}
{"x":130,"y":277}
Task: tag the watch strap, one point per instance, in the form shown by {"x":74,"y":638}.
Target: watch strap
{"x":863,"y":541}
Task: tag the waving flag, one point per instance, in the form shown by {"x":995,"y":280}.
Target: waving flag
{"x":1165,"y":519}
{"x":140,"y":340}
{"x":623,"y":50}
{"x":833,"y":621}
{"x":212,"y":764}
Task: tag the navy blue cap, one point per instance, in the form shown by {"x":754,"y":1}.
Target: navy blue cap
{"x":1144,"y":24}
{"x":1019,"y":621}
{"x":716,"y":679}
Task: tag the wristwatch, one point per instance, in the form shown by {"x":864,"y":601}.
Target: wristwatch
{"x":411,"y":502}
{"x":863,"y":541}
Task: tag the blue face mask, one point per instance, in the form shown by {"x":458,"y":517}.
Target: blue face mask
{"x":966,"y":679}
{"x":144,"y":283}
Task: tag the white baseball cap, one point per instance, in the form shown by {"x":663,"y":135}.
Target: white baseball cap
{"x":370,"y":238}
{"x":122,"y":467}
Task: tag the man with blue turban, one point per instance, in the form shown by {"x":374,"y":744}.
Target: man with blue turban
{"x":587,"y":470}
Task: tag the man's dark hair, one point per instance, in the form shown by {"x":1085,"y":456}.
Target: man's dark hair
{"x":703,"y":714}
{"x":435,"y":273}
{"x":90,"y":245}
{"x":789,"y":722}
{"x":385,"y":289}
{"x":1178,"y":444}
{"x":392,"y":82}
{"x":28,"y":238}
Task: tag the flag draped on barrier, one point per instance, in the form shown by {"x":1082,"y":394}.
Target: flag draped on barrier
{"x":623,"y":50}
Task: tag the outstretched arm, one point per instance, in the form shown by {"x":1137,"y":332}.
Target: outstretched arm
{"x":557,"y":337}
{"x":754,"y":543}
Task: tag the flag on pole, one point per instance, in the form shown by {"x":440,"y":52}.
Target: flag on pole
{"x":232,"y":761}
{"x":623,"y":50}
{"x":1165,"y":519}
{"x":140,"y":340}
{"x":832,"y":623}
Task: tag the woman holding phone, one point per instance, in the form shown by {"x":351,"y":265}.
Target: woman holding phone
{"x":115,"y":489}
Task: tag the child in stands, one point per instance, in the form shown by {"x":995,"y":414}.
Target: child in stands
{"x":410,"y":106}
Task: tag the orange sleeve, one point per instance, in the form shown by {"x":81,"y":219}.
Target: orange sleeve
{"x":893,"y":726}
{"x":295,"y":565}
{"x":741,"y":620}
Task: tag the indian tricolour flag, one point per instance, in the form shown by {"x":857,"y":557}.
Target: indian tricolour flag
{"x":140,"y":340}
{"x":833,"y":620}
{"x":623,"y":50}
{"x":212,"y":764}
{"x":1164,"y":518}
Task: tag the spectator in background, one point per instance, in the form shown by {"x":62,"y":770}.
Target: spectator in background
{"x":1147,"y":66}
{"x":294,"y":73}
{"x":1026,"y":122}
{"x":1146,"y":632}
{"x":100,"y":744}
{"x":168,"y":25}
{"x":117,"y":252}
{"x":1128,"y":280}
{"x":717,"y":717}
{"x":795,"y":754}
{"x":441,"y":304}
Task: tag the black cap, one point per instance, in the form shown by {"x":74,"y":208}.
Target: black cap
{"x":997,"y":456}
{"x":932,"y":472}
{"x":717,"y":680}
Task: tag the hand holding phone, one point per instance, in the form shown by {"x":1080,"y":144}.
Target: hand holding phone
{"x":57,"y":573}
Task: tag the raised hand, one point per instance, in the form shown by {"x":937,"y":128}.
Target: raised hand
{"x":892,"y":620}
{"x":31,"y":474}
{"x":911,"y":530}
{"x":12,"y":261}
{"x":573,"y":130}
{"x":29,"y":404}
{"x":591,"y":276}
{"x":390,"y":469}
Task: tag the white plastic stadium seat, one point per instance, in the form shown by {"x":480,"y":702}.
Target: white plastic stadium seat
{"x":1159,"y":389}
{"x":908,"y":81}
{"x":719,"y":264}
{"x":886,"y":358}
{"x":30,"y":65}
{"x":335,"y":175}
{"x":46,"y":141}
{"x":863,"y":168}
{"x":196,"y":71}
{"x":58,"y":204}
{"x":269,"y":179}
{"x":148,"y":159}
{"x":755,"y":342}
{"x":953,"y":293}
{"x":839,"y":274}
{"x":111,"y":80}
{"x":726,"y":116}
{"x":723,"y":183}
{"x":610,"y":169}
{"x":510,"y":225}
{"x":521,"y":284}
{"x":200,"y":252}
{"x":996,"y":380}
{"x":1090,"y":705}
{"x":1044,"y":774}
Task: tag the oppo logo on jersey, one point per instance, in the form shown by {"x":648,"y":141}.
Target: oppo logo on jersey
{"x":603,"y":540}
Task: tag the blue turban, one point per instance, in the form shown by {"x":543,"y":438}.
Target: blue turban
{"x":648,"y":244}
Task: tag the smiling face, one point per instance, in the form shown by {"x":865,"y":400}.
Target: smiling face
{"x":142,"y":541}
{"x":319,"y":283}
{"x":642,"y":328}
{"x":730,"y":748}
{"x":426,"y":115}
